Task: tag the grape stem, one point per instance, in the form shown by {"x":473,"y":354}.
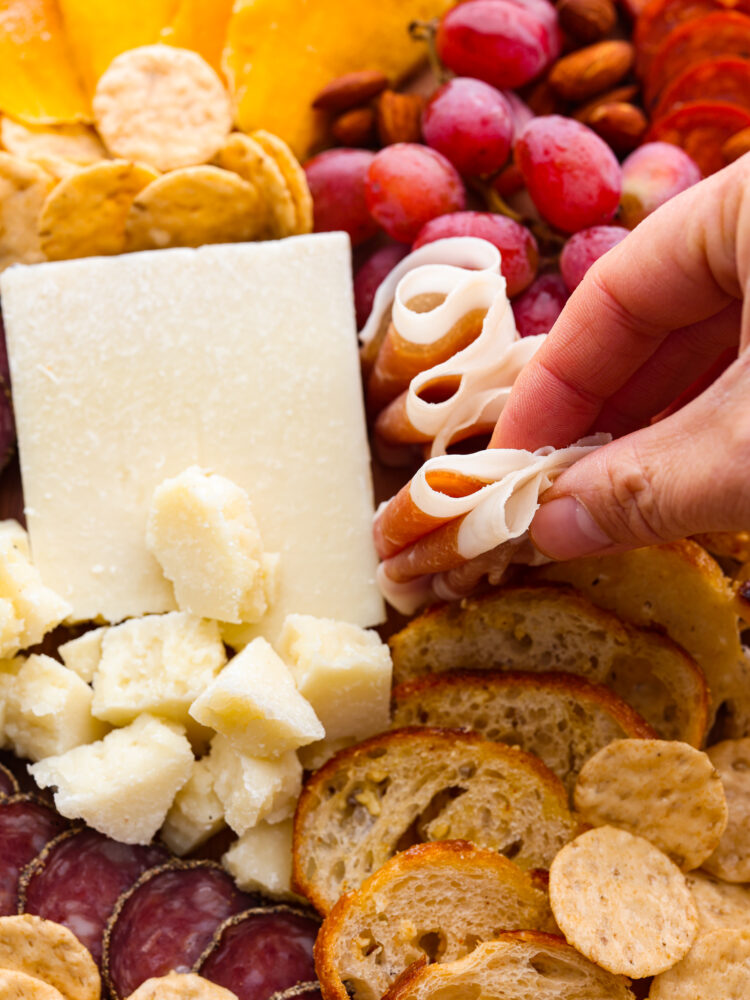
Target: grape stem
{"x":425,"y":31}
{"x":548,"y":237}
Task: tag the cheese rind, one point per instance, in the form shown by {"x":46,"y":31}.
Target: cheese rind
{"x":255,"y":704}
{"x":124,"y":784}
{"x":240,"y":358}
{"x":261,"y":860}
{"x":196,"y":813}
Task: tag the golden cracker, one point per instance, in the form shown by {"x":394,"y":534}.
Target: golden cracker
{"x":731,"y":859}
{"x":19,"y":986}
{"x":181,"y":986}
{"x":719,"y":904}
{"x":717,"y":968}
{"x":76,"y":143}
{"x":294,"y":177}
{"x":50,"y":952}
{"x":244,"y":156}
{"x":24,"y":187}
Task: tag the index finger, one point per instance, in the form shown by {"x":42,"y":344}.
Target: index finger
{"x":679,"y":266}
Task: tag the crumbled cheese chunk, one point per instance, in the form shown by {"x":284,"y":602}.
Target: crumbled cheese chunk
{"x":82,"y":655}
{"x":8,"y":671}
{"x":123,"y":785}
{"x":251,"y":789}
{"x":13,"y":532}
{"x":254,"y":702}
{"x":48,"y":710}
{"x":196,"y":812}
{"x":344,"y":671}
{"x":261,"y":860}
{"x":157,"y":664}
{"x":203,"y":533}
{"x":317,"y":754}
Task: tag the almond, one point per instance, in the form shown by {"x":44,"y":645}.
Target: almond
{"x":621,"y":125}
{"x":582,"y":74}
{"x":736,"y":146}
{"x":355,"y":127}
{"x":399,"y":117}
{"x":350,"y":90}
{"x":587,"y":20}
{"x":627,"y":94}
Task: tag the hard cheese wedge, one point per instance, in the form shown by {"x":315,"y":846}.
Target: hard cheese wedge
{"x":241,"y":359}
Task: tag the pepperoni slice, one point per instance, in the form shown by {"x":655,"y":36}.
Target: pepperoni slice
{"x":712,"y":37}
{"x":8,"y":783}
{"x":26,"y":825}
{"x":725,"y":80}
{"x":164,"y":922}
{"x":262,"y":952}
{"x":660,"y":18}
{"x":701,"y":129}
{"x":78,"y":878}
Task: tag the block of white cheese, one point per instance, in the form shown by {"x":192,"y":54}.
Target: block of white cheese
{"x":123,"y":785}
{"x":238,"y":358}
{"x":196,"y":813}
{"x":255,"y":704}
{"x":261,"y":860}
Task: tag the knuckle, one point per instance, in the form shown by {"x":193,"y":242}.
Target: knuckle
{"x":634,"y":511}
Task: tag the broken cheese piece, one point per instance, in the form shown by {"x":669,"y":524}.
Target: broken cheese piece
{"x":124,"y":784}
{"x":196,"y":813}
{"x":202,"y":531}
{"x":261,"y":860}
{"x":82,"y":655}
{"x":255,"y":704}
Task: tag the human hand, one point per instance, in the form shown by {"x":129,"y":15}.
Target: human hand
{"x":661,"y":310}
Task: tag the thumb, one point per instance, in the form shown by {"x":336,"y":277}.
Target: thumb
{"x":684,"y":475}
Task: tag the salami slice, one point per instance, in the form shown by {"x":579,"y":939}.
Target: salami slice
{"x":701,"y":129}
{"x":8,"y":783}
{"x":165,"y":921}
{"x":78,"y":878}
{"x":262,"y":952}
{"x":711,"y":37}
{"x":724,"y":80}
{"x":660,"y":18}
{"x":302,"y":991}
{"x":26,"y":825}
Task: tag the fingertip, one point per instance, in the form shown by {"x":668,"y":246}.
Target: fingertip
{"x":564,"y":529}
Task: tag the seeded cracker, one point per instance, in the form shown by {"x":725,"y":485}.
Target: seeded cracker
{"x":622,"y":903}
{"x":294,"y":176}
{"x":162,"y":105}
{"x":77,"y":143}
{"x":717,"y":968}
{"x":244,"y":156}
{"x":181,"y":986}
{"x":731,"y":859}
{"x":19,"y":986}
{"x":50,"y":952}
{"x":23,"y":189}
{"x":666,"y":791}
{"x":719,"y":904}
{"x":193,"y":206}
{"x":85,"y":214}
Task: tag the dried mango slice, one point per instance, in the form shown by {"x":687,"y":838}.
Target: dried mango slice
{"x":23,"y":189}
{"x":200,"y":25}
{"x":280,"y":53}
{"x":38,"y":82}
{"x":76,"y":143}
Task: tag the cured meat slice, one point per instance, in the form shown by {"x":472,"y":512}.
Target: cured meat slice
{"x":8,"y":783}
{"x":660,"y":18}
{"x":165,"y":921}
{"x":725,"y":80}
{"x":26,"y":825}
{"x":78,"y":878}
{"x":262,"y":952}
{"x":701,"y":129}
{"x":302,"y":991}
{"x":712,"y":37}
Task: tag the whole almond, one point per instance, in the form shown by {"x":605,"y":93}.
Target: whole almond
{"x":399,"y":117}
{"x":736,"y":146}
{"x":350,"y":90}
{"x":627,"y":93}
{"x":621,"y":125}
{"x":355,"y":127}
{"x":582,"y":74}
{"x":587,"y":20}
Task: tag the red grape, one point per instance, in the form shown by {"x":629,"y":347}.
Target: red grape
{"x":337,"y":184}
{"x":521,"y":112}
{"x":540,"y":305}
{"x":494,"y":41}
{"x":651,"y":175}
{"x":517,"y":246}
{"x":370,"y":275}
{"x":571,"y":174}
{"x":470,"y":123}
{"x":407,"y":185}
{"x":543,"y":11}
{"x":586,"y":247}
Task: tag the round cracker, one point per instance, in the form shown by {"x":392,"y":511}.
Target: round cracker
{"x":622,"y":903}
{"x":19,"y":986}
{"x":50,"y":952}
{"x":244,"y":156}
{"x":24,"y":187}
{"x":181,"y":986}
{"x":663,"y":790}
{"x":194,"y":206}
{"x":294,"y":176}
{"x":162,"y":105}
{"x":717,"y":968}
{"x":76,"y":143}
{"x":85,"y":215}
{"x":731,"y":859}
{"x":719,"y":904}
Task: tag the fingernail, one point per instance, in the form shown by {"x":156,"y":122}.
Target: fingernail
{"x":564,"y":529}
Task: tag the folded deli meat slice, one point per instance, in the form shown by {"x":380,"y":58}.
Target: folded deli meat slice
{"x":458,"y":508}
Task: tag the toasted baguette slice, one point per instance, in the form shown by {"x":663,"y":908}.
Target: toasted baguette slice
{"x":413,"y":785}
{"x":527,"y":964}
{"x":561,"y":718}
{"x":553,"y":627}
{"x":435,"y":900}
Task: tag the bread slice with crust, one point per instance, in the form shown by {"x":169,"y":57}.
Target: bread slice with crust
{"x":561,"y":718}
{"x":552,"y":627}
{"x":422,"y":784}
{"x":437,"y":901}
{"x":529,"y":964}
